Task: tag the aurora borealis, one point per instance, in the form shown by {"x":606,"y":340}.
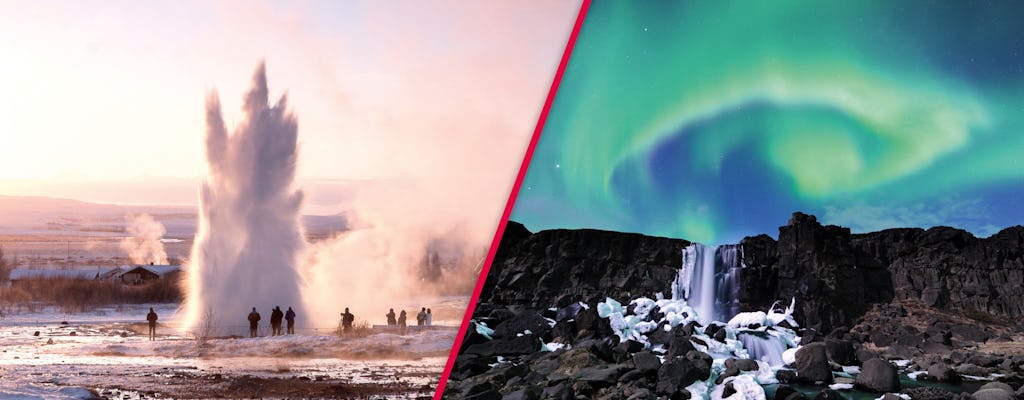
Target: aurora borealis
{"x":712,"y":120}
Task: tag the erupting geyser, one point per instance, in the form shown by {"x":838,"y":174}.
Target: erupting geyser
{"x":250,"y":234}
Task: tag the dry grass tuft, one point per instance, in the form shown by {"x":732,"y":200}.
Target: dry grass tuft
{"x":77,"y":295}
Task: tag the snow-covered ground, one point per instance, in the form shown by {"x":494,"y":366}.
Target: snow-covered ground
{"x":108,"y":350}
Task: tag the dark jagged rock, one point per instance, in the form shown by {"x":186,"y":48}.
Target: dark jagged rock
{"x":538,"y":269}
{"x":679,"y":345}
{"x":972,"y":370}
{"x":576,"y":359}
{"x":829,"y":394}
{"x":471,"y":364}
{"x":527,"y":393}
{"x":520,"y":323}
{"x":561,"y":391}
{"x":940,"y":372}
{"x":742,"y":364}
{"x":679,"y":372}
{"x":878,"y":375}
{"x":984,"y":360}
{"x":591,"y":325}
{"x":929,"y":393}
{"x":841,"y":352}
{"x":782,"y":391}
{"x":812,"y":364}
{"x":600,"y":375}
{"x":993,"y":394}
{"x":519,"y":345}
{"x":785,"y":375}
{"x":646,"y":362}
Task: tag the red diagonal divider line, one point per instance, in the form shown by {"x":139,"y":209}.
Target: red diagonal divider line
{"x":511,"y":200}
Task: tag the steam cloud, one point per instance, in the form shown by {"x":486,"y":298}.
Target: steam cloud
{"x":386,"y":261}
{"x":144,"y":245}
{"x":249,"y":236}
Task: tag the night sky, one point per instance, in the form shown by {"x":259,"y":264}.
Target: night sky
{"x":715,"y":120}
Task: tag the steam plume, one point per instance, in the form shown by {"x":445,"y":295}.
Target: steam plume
{"x":143,"y":245}
{"x":249,"y":233}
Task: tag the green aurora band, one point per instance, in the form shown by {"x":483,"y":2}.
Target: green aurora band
{"x":712,"y":120}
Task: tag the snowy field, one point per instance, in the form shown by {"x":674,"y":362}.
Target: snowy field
{"x":107,"y":352}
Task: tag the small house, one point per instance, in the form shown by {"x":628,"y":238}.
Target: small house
{"x":145,"y":273}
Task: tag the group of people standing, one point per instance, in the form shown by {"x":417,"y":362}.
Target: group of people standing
{"x":276,"y":317}
{"x":423,"y":318}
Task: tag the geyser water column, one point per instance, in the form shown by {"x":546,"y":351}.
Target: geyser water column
{"x":245,"y":254}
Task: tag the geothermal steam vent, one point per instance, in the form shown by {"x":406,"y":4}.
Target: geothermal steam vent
{"x":249,"y":232}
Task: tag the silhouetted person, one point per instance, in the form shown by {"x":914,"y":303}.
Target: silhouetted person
{"x":346,"y":320}
{"x":421,"y":317}
{"x":429,"y":319}
{"x":290,"y":317}
{"x":151,"y":317}
{"x":254,"y":320}
{"x":275,"y":321}
{"x":401,"y":321}
{"x":391,"y":317}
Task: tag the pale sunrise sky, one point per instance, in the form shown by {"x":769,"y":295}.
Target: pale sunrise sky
{"x":104,"y":100}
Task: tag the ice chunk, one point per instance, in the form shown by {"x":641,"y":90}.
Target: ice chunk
{"x":745,"y":319}
{"x":776,"y":318}
{"x":765,"y":374}
{"x":552,"y":346}
{"x":608,"y":307}
{"x":698,"y":390}
{"x":498,"y":361}
{"x":900,"y":395}
{"x":481,"y":328}
{"x":642,"y":306}
{"x":841,"y":386}
{"x":746,"y":389}
{"x":789,"y":356}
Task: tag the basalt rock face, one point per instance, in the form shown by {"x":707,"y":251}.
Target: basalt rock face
{"x":558,"y":267}
{"x":949,"y":268}
{"x":819,"y":266}
{"x":835,"y":276}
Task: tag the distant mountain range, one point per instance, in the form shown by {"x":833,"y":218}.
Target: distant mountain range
{"x":31,"y":213}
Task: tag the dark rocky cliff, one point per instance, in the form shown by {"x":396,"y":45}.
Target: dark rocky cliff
{"x":557,"y":267}
{"x":835,"y":276}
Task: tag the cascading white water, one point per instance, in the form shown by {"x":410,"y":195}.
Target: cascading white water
{"x":727,"y":280}
{"x":768,"y":349}
{"x":709,"y":282}
{"x":701,"y":292}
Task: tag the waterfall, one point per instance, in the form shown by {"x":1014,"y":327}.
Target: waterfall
{"x":727,"y":277}
{"x":709,"y":281}
{"x":768,"y":349}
